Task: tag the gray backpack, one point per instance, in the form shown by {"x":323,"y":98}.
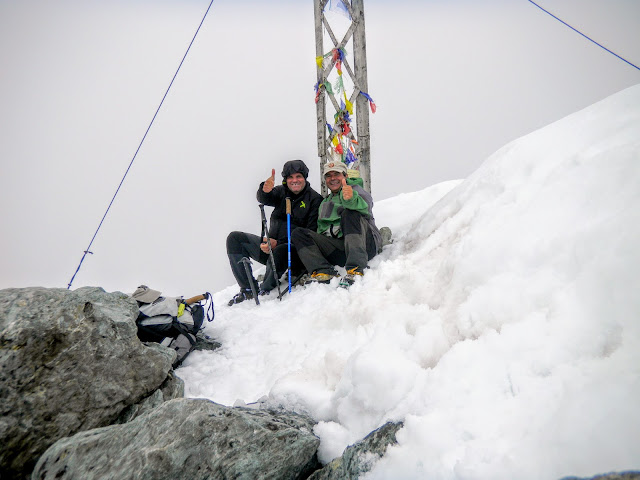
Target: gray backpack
{"x":174,"y":322}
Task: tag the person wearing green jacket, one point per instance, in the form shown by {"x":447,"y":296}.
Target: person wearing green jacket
{"x":346,"y":235}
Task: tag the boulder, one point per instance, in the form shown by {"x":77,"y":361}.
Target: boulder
{"x":69,"y":361}
{"x":189,"y":439}
{"x":360,"y":458}
{"x":172,"y":387}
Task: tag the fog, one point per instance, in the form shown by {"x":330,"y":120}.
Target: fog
{"x":80,"y":82}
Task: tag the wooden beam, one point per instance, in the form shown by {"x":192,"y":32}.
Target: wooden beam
{"x":321,"y":108}
{"x":362,"y":105}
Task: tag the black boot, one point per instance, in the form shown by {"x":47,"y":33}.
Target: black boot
{"x":245,"y":294}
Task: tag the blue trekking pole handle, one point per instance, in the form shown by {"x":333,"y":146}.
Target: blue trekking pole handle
{"x":288,"y":203}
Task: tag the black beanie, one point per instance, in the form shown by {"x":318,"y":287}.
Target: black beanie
{"x":294,"y":166}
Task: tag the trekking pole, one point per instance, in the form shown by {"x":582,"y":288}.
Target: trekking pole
{"x":288,"y":200}
{"x":247,"y":269}
{"x":265,"y":234}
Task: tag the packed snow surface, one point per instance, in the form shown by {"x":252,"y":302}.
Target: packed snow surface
{"x":502,"y":326}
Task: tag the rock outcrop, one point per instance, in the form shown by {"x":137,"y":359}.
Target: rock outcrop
{"x":172,"y":387}
{"x":77,"y":383}
{"x":69,"y":361}
{"x":189,"y":439}
{"x":83,"y":398}
{"x":360,"y":458}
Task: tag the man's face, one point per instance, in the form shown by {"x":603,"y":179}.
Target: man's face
{"x":334,"y":181}
{"x":295,"y":182}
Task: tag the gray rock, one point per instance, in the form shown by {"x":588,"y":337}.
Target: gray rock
{"x":385,"y":233}
{"x":188,"y":439}
{"x":172,"y":387}
{"x":630,"y":475}
{"x":360,"y":458}
{"x":69,"y":361}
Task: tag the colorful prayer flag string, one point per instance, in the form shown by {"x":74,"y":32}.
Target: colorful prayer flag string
{"x":372,"y":104}
{"x":348,"y":104}
{"x":339,"y":7}
{"x":341,"y":143}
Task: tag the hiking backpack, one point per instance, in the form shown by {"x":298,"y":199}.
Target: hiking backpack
{"x":174,"y":322}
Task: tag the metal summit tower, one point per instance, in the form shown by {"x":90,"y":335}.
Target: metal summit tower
{"x":336,"y":139}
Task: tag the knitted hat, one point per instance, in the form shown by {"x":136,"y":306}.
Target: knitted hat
{"x":294,"y":166}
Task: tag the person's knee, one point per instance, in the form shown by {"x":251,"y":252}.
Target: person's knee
{"x":301,"y":237}
{"x":351,"y":221}
{"x":234,"y":241}
{"x":295,"y":234}
{"x":353,"y":215}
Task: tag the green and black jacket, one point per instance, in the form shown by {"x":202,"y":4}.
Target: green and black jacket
{"x":332,"y":207}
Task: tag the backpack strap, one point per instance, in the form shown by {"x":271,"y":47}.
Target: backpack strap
{"x":184,"y":331}
{"x":210,"y":312}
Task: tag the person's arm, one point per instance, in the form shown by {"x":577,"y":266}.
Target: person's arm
{"x":314,"y":210}
{"x":352,"y":200}
{"x":268,"y":193}
{"x":271,"y":199}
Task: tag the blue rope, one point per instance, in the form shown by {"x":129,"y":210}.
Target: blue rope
{"x":138,"y":149}
{"x":591,"y":40}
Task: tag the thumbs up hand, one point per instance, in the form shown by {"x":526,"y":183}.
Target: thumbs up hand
{"x":269,"y":182}
{"x":347,"y":191}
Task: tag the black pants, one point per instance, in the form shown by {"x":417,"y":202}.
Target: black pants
{"x":241,"y":244}
{"x":319,"y":252}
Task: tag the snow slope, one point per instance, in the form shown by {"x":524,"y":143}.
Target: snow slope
{"x":502,"y":326}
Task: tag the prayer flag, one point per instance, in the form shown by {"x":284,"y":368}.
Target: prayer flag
{"x":337,"y":6}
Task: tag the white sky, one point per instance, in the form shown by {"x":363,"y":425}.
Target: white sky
{"x":501,"y":326}
{"x":80,"y":82}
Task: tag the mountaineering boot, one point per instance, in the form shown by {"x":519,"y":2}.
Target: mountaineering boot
{"x":321,"y":277}
{"x":245,"y":294}
{"x":350,"y":277}
{"x":301,"y":279}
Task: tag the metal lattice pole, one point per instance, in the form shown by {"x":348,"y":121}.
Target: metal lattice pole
{"x":358,"y":76}
{"x":321,"y":109}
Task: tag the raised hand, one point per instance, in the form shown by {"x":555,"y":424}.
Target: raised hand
{"x":347,"y":190}
{"x":269,"y":183}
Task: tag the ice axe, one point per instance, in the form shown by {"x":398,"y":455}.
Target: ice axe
{"x":247,"y":269}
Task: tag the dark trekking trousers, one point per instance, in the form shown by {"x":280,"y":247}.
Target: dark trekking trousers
{"x":241,"y":244}
{"x":319,"y":252}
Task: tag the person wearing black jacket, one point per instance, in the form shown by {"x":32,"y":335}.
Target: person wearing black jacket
{"x":305,"y":202}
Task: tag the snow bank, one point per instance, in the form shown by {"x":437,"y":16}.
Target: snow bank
{"x":501,"y":326}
